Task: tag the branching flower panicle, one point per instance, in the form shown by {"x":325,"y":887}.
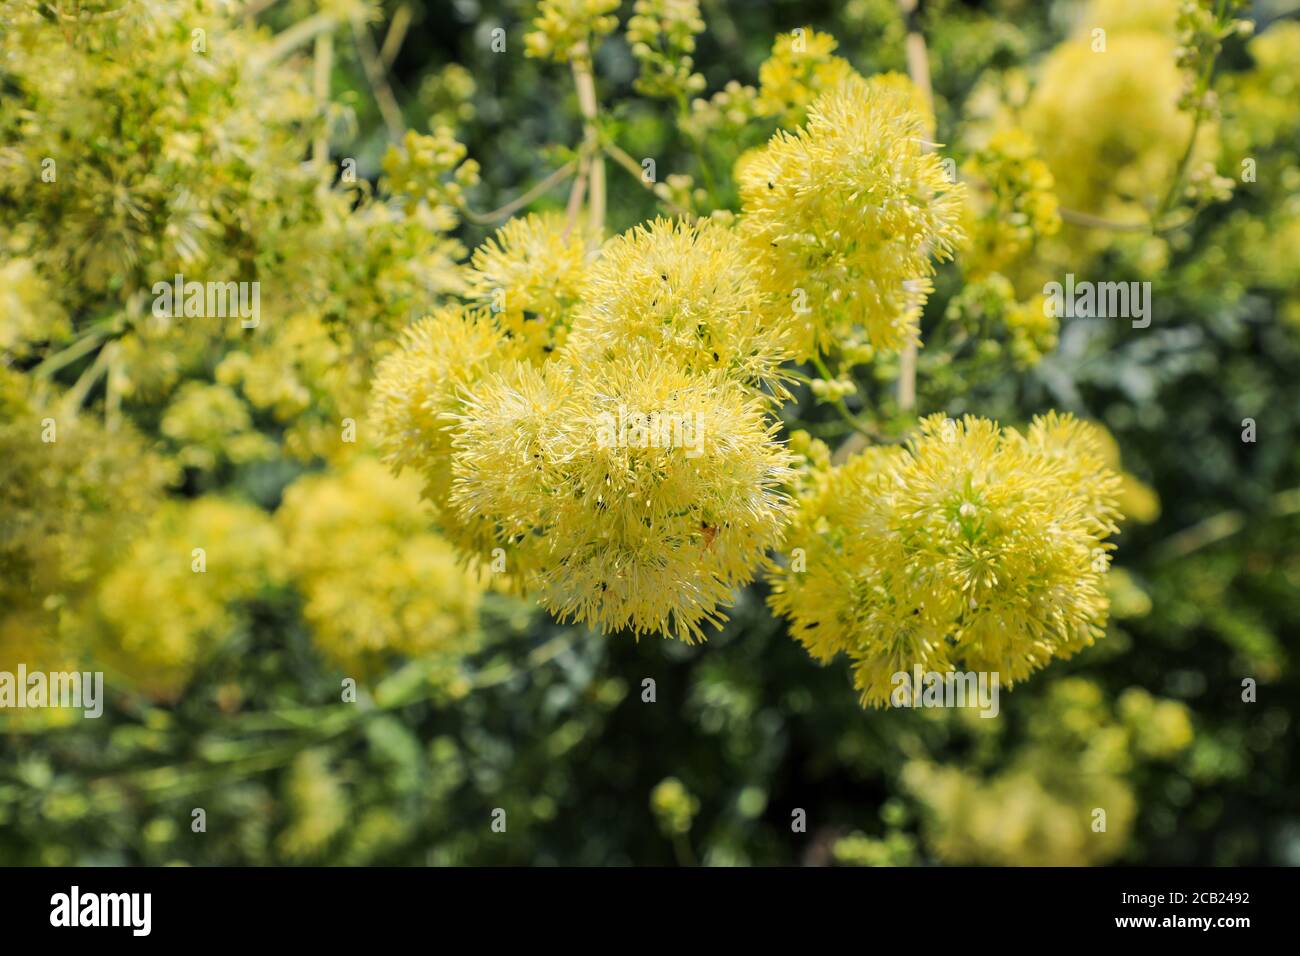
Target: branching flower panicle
{"x":530,"y":275}
{"x":975,"y":546}
{"x":846,"y":215}
{"x":686,"y":291}
{"x":642,"y":492}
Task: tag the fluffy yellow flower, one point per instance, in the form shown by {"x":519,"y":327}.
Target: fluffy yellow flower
{"x":1124,"y":16}
{"x":376,"y":581}
{"x":28,"y":312}
{"x":687,"y":292}
{"x":70,"y":494}
{"x":1012,"y":205}
{"x":801,"y":67}
{"x":662,"y":36}
{"x":307,"y":376}
{"x":530,"y":275}
{"x":174,"y":599}
{"x":418,"y":387}
{"x":844,"y":217}
{"x":209,"y":424}
{"x":975,"y":546}
{"x":814,"y":589}
{"x":641,"y":492}
{"x":1037,"y":808}
{"x":987,"y":311}
{"x":1108,"y":124}
{"x":1020,"y":817}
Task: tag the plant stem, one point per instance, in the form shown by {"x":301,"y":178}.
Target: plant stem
{"x":1097,"y":222}
{"x":1222,"y":525}
{"x":683,"y":115}
{"x":627,"y":162}
{"x":839,"y":403}
{"x":77,"y":394}
{"x":510,"y":208}
{"x":289,"y":40}
{"x":918,"y":68}
{"x":585,"y":81}
{"x":378,"y":81}
{"x":1198,"y":115}
{"x":323,"y":66}
{"x":82,"y":346}
{"x":576,"y":195}
{"x":401,"y":22}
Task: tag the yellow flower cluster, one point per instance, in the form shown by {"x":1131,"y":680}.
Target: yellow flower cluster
{"x":433,"y":170}
{"x":209,"y":424}
{"x":1044,"y":808}
{"x":988,"y":311}
{"x":602,"y":428}
{"x":1107,"y":123}
{"x":419,"y":387}
{"x":376,"y":582}
{"x":1013,"y":203}
{"x":639,"y":492}
{"x":28,"y":310}
{"x":99,"y":163}
{"x":975,"y":546}
{"x":845,"y":216}
{"x":801,"y":67}
{"x":662,"y":35}
{"x":682,"y":291}
{"x":318,"y":806}
{"x":674,"y":807}
{"x":173,"y":600}
{"x":567,"y":29}
{"x":70,"y":492}
{"x":631,"y":477}
{"x":530,"y":275}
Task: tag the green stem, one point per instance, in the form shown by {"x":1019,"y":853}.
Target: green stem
{"x":627,"y":162}
{"x":839,"y":403}
{"x":683,"y":116}
{"x":510,"y":208}
{"x":1202,"y":88}
{"x":1222,"y":525}
{"x":82,"y":346}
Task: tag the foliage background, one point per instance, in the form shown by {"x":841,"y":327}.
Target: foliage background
{"x":550,"y":724}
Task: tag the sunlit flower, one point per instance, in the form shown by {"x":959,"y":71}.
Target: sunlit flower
{"x":419,"y":387}
{"x":376,"y":581}
{"x":801,"y":67}
{"x":529,"y":275}
{"x":641,"y":492}
{"x":845,"y":216}
{"x":975,"y":546}
{"x":173,"y":601}
{"x":687,"y":292}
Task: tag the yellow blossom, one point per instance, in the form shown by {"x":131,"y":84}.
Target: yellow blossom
{"x":975,"y":546}
{"x":844,"y":217}
{"x":641,"y":492}
{"x":687,"y":292}
{"x":376,"y":581}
